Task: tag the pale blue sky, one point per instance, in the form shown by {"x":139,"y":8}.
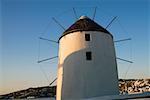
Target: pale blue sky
{"x":23,"y":21}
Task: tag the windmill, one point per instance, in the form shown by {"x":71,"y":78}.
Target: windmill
{"x":86,"y":51}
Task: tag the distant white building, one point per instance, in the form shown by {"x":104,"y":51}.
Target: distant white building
{"x":87,"y":62}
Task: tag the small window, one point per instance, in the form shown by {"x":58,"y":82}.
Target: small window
{"x":87,"y":37}
{"x":89,"y":55}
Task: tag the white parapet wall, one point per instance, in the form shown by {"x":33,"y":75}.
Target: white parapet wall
{"x":139,"y":96}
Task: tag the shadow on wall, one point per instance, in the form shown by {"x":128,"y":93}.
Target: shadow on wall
{"x":88,"y":78}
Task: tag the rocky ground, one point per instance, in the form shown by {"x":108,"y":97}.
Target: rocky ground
{"x":129,"y":86}
{"x":38,"y":92}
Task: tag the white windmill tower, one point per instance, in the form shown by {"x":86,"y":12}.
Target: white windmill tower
{"x":87,"y":68}
{"x":87,"y":62}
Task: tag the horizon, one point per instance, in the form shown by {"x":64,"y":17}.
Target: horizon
{"x":24,"y":21}
{"x":53,"y":86}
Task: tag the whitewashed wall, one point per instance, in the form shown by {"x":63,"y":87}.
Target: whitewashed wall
{"x":79,"y":78}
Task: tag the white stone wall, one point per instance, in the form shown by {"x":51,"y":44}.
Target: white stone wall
{"x":79,"y":78}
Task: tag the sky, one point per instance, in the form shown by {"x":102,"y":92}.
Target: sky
{"x":23,"y":21}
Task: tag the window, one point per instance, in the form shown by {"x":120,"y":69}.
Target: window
{"x":87,"y":37}
{"x":88,"y":55}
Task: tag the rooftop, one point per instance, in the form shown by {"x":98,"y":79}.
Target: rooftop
{"x":84,"y":24}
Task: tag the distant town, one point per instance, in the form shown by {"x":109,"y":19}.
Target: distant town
{"x":133,"y":86}
{"x":126,"y":86}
